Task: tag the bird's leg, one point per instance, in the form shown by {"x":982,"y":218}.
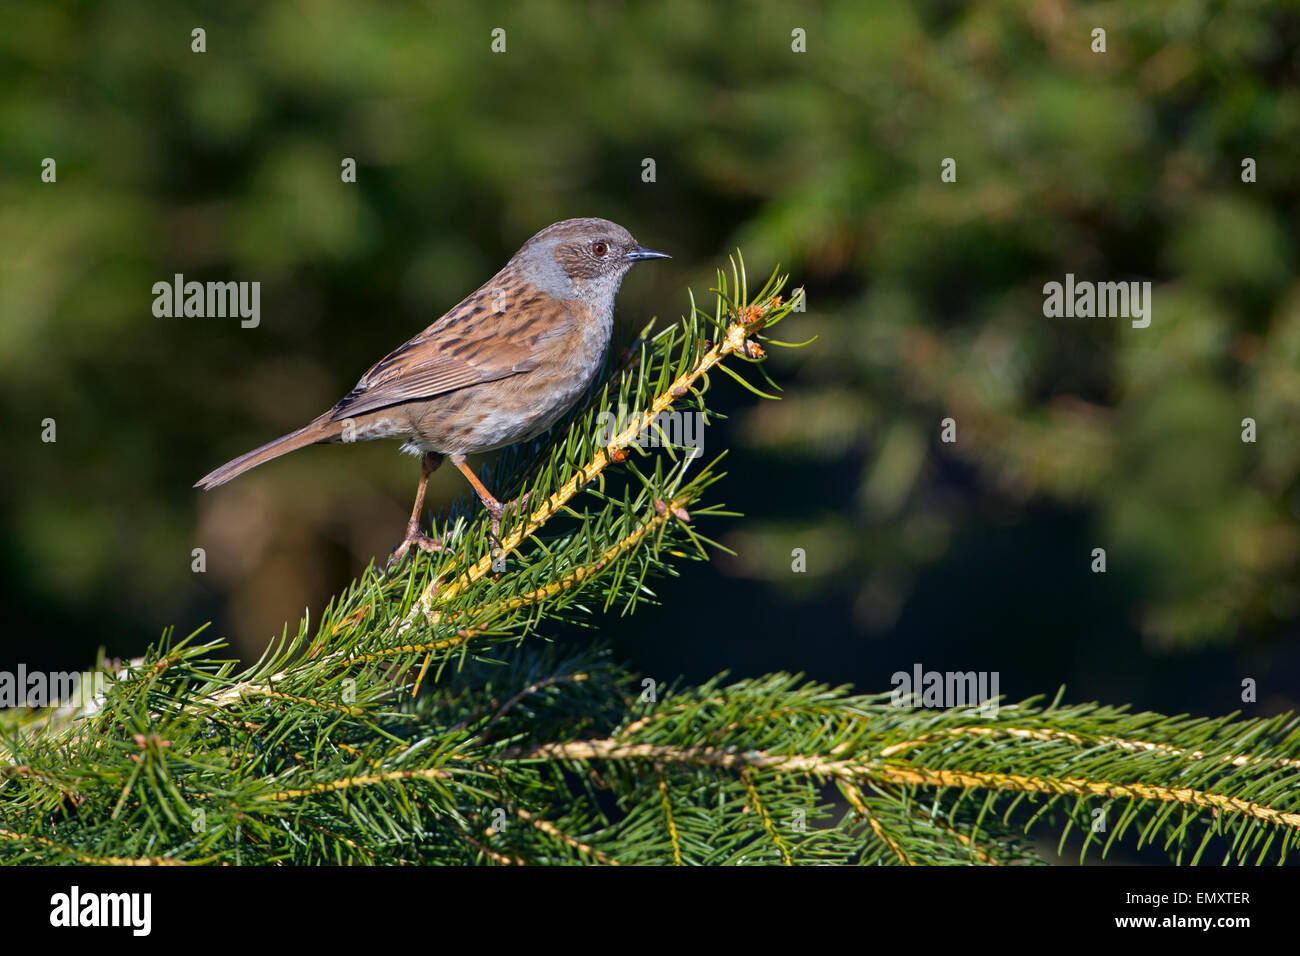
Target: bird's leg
{"x":414,"y":536}
{"x":494,"y":508}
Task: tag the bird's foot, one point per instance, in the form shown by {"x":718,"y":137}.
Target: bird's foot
{"x":497,"y":511}
{"x":414,"y":538}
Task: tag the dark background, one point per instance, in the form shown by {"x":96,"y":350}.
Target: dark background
{"x":925,"y":297}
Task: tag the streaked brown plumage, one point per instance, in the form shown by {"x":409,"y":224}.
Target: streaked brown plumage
{"x":499,"y":368}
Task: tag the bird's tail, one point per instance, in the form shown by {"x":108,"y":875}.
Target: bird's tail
{"x":322,"y":429}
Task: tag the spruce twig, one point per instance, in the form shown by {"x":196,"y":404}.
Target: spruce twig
{"x":426,"y":719}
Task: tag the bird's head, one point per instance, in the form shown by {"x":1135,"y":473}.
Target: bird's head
{"x":583,"y":259}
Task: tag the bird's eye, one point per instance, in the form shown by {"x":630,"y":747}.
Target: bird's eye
{"x":599,"y":248}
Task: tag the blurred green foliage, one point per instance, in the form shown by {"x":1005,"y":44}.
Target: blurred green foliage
{"x":926,"y":296}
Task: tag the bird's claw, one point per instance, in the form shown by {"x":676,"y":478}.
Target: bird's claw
{"x":496,"y":510}
{"x":416,"y":537}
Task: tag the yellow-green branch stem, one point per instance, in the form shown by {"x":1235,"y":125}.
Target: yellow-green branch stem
{"x":611,"y":749}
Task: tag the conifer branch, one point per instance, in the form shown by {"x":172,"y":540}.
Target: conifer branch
{"x":420,"y":720}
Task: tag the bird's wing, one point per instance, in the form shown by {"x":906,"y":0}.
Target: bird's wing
{"x":471,"y":344}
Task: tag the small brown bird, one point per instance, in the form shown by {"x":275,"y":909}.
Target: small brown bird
{"x":499,"y":368}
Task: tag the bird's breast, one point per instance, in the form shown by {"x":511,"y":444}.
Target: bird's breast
{"x":568,"y":360}
{"x":567,"y":355}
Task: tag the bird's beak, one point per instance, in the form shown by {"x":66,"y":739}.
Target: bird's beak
{"x":638,"y":253}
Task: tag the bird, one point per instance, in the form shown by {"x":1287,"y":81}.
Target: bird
{"x":497,"y":369}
